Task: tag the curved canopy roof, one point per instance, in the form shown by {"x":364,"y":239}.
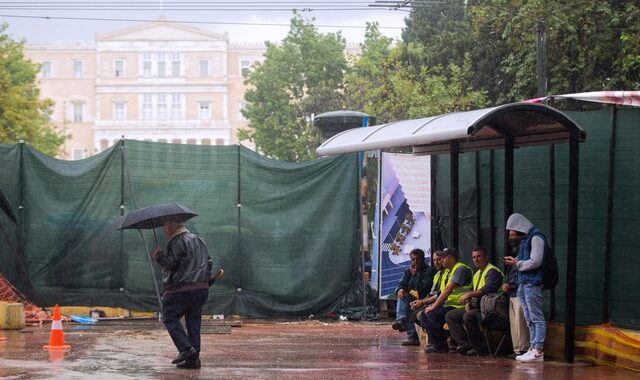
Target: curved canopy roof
{"x":528,"y":123}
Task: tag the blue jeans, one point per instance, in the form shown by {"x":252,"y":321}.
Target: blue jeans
{"x":188,"y":304}
{"x":530,"y":297}
{"x":403,"y":311}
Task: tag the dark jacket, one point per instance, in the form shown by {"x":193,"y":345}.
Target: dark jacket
{"x":421,"y":281}
{"x":185,"y":264}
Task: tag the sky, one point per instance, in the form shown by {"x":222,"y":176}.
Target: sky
{"x":77,"y":21}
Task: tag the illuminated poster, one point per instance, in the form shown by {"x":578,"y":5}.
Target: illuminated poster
{"x":405,"y":210}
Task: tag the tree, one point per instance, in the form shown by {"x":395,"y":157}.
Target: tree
{"x":301,"y":77}
{"x":23,"y":115}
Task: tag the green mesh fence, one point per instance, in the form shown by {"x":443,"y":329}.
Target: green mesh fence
{"x":286,"y":234}
{"x":532,"y":197}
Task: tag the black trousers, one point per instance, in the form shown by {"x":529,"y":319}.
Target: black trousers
{"x":464,"y":327}
{"x":433,"y":323}
{"x":188,"y":305}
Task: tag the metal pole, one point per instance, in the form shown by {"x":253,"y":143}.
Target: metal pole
{"x":541,"y":58}
{"x":453,"y":170}
{"x":607,"y":245}
{"x":479,"y":204}
{"x":434,"y":180}
{"x":508,"y":187}
{"x":572,"y":242}
{"x":552,"y":221}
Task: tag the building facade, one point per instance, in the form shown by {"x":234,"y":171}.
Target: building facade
{"x":158,"y":81}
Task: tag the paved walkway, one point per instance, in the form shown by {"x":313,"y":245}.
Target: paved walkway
{"x":263,"y":350}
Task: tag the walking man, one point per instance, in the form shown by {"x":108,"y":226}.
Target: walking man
{"x":530,"y":270}
{"x":185,"y":276}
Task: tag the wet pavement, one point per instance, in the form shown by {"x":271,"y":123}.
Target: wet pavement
{"x":262,"y":350}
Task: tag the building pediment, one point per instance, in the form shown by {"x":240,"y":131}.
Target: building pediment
{"x":163,"y":30}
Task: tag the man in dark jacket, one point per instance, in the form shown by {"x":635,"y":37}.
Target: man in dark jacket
{"x":415,"y":284}
{"x":185,"y":276}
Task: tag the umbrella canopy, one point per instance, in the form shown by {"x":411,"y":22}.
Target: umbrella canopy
{"x":152,"y":216}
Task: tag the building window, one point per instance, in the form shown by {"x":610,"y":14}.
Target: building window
{"x":176,"y":107}
{"x":162,"y":107}
{"x":204,"y":67}
{"x":205,"y":142}
{"x":204,"y":110}
{"x":119,"y":111}
{"x":245,"y":66}
{"x":147,"y":107}
{"x":176,"y":141}
{"x":241,"y":106}
{"x":162,"y":141}
{"x":162,"y":65}
{"x":78,"y":153}
{"x":175,"y":65}
{"x":146,"y":65}
{"x":77,"y":112}
{"x":104,"y":144}
{"x":118,"y":68}
{"x":78,"y":68}
{"x":219,"y":141}
{"x":45,"y":69}
{"x":191,"y":141}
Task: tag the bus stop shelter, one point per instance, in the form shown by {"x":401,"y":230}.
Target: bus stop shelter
{"x":505,"y":127}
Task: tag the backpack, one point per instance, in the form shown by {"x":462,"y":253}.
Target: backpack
{"x":549,"y":268}
{"x":494,"y":311}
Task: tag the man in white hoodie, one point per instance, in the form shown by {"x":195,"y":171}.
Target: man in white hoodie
{"x":530,"y":270}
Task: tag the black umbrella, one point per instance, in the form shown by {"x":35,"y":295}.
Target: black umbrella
{"x":152,"y":216}
{"x":4,"y":206}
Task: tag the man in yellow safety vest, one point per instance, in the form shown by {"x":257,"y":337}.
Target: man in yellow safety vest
{"x":464,"y":323}
{"x":456,"y":282}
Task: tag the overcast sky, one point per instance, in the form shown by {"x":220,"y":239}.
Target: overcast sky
{"x":49,"y":21}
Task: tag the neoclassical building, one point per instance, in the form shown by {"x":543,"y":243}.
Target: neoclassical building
{"x":156,"y":81}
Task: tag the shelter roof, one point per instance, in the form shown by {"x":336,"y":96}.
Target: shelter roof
{"x":528,"y":123}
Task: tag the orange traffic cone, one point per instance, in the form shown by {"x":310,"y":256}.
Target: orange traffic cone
{"x":56,"y":338}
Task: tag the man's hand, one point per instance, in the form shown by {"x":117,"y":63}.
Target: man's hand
{"x":465,"y":297}
{"x":401,"y":294}
{"x":508,"y":260}
{"x":429,"y":309}
{"x":156,"y":252}
{"x":416,"y":304}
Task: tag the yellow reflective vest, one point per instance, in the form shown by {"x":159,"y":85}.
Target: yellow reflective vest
{"x":480,"y":276}
{"x":454,"y":297}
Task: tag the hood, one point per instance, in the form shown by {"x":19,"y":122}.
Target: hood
{"x":518,"y":222}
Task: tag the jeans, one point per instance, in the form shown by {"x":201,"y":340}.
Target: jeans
{"x":403,"y":313}
{"x":188,"y":305}
{"x":530,"y":297}
{"x":464,"y":327}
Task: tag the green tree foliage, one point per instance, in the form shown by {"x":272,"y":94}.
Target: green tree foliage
{"x":591,"y":44}
{"x":23,"y":116}
{"x":300,"y":77}
{"x":387,"y":82}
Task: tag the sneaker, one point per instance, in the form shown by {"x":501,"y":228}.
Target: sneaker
{"x":399,"y":326}
{"x":531,"y":356}
{"x":463,"y":349}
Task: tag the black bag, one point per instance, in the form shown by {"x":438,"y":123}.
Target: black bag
{"x":549,"y":268}
{"x":494,"y":311}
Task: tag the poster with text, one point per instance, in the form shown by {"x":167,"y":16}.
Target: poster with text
{"x":405,"y":210}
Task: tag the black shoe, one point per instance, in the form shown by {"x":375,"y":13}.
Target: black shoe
{"x":190,"y":354}
{"x":411,"y":342}
{"x":190,"y":364}
{"x":474,"y":352}
{"x":399,"y":326}
{"x":433,"y":349}
{"x":463,"y":349}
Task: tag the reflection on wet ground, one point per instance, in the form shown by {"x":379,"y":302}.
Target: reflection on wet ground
{"x":261,"y":350}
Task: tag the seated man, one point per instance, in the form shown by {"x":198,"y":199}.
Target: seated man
{"x":415,"y":283}
{"x":456,"y":282}
{"x":422,"y":303}
{"x":464,"y":323}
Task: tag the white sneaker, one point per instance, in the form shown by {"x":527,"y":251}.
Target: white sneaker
{"x":532,"y":356}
